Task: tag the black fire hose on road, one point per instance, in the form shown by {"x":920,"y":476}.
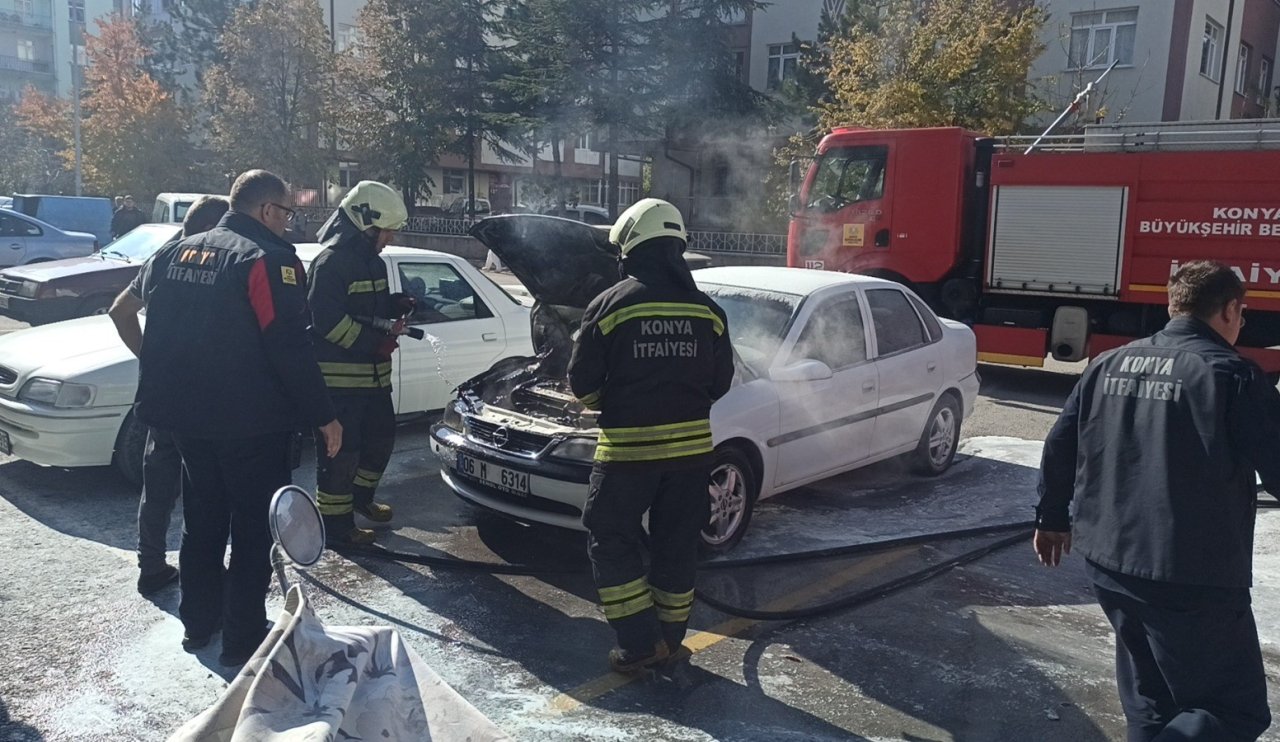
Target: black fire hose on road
{"x":858,"y":599}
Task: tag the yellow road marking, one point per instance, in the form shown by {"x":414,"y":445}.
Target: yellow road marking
{"x":1153,"y":289}
{"x":702,"y":640}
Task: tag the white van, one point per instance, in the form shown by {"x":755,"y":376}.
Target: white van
{"x":172,"y":207}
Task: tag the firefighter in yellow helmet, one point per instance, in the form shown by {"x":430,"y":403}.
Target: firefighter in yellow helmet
{"x":652,"y":355}
{"x":356,"y":323}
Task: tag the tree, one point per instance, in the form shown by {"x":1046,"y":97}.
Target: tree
{"x":188,"y":42}
{"x":907,"y":63}
{"x":41,"y":156}
{"x":269,"y":100}
{"x":134,"y":136}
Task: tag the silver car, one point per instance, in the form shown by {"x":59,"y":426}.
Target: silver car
{"x":25,"y":239}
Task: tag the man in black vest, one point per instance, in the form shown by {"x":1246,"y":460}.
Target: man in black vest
{"x":1158,"y":445}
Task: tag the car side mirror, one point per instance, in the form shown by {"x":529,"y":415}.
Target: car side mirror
{"x":807,"y":370}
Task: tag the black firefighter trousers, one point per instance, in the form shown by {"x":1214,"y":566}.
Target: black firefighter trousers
{"x":1187,"y":668}
{"x":645,"y":608}
{"x":351,"y":477}
{"x":226,"y":491}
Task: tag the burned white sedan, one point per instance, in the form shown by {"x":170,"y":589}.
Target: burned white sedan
{"x":834,"y":372}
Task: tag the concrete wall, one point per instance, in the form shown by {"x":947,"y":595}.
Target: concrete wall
{"x":1200,"y":94}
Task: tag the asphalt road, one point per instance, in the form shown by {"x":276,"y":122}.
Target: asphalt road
{"x":1000,"y":649}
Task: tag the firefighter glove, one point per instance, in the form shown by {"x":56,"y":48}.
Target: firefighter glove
{"x":403,"y":304}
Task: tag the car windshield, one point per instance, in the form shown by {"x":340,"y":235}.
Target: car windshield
{"x":758,"y":320}
{"x":847,"y":175}
{"x":141,"y":243}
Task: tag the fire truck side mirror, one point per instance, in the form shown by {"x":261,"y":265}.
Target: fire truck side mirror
{"x":794,"y":176}
{"x":793,"y":204}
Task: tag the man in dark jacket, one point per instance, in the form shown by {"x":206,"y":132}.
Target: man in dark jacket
{"x":161,"y":463}
{"x":127,"y":218}
{"x":356,"y":322}
{"x":652,"y":355}
{"x":227,"y":366}
{"x":1158,"y":445}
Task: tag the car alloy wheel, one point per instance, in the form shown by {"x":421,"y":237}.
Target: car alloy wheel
{"x":732,"y":490}
{"x":941,"y":436}
{"x":937,"y":447}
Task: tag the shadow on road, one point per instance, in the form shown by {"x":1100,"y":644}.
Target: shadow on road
{"x":12,"y":730}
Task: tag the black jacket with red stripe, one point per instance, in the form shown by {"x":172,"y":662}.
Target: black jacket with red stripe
{"x":226,"y":352}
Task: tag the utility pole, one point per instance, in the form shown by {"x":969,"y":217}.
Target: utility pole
{"x":75,"y":96}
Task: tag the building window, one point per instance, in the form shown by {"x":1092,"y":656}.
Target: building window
{"x":1102,"y":37}
{"x":1242,"y":69}
{"x":455,"y":181}
{"x":348,"y":174}
{"x":783,"y":60}
{"x":740,"y":65}
{"x":26,"y":50}
{"x":1264,"y":81}
{"x":1210,"y":54}
{"x":26,"y":8}
{"x":628,"y":193}
{"x":76,"y":10}
{"x":586,"y":141}
{"x":345,"y":38}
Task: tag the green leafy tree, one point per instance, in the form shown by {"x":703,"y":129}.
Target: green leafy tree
{"x":904,"y":63}
{"x":187,"y":42}
{"x":134,"y":135}
{"x":269,"y":100}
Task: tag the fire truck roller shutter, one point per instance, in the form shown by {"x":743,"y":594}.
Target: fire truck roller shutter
{"x":1069,"y":339}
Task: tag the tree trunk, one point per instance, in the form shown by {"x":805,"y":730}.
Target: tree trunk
{"x":558,"y":171}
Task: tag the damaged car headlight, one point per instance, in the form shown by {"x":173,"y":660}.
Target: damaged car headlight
{"x":57,"y":393}
{"x":575,"y":449}
{"x":28,"y":289}
{"x":452,"y":417}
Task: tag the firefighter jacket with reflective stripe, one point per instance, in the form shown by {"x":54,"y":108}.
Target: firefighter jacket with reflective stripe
{"x":349,"y":286}
{"x":652,"y":355}
{"x":1158,"y":445}
{"x":226,"y":352}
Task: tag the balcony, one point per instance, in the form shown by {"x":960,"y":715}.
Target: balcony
{"x":35,"y":66}
{"x":22,"y":19}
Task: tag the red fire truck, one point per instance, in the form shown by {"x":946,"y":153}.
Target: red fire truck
{"x":1061,"y":249}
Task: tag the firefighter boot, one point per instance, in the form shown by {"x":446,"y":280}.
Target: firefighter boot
{"x":627,"y":662}
{"x":341,"y":530}
{"x":375,"y":511}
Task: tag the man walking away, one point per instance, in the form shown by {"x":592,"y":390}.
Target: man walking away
{"x":161,"y":464}
{"x":1158,"y":445}
{"x":228,"y":368}
{"x":127,"y":218}
{"x":356,"y":321}
{"x":655,"y":444}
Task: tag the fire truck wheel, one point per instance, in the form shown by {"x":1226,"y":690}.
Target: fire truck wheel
{"x":733,"y":491}
{"x":941,"y":437}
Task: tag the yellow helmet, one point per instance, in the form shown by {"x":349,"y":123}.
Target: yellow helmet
{"x":645,"y":220}
{"x":374,"y":204}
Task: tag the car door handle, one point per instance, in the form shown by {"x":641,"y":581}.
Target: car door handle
{"x":868,"y":386}
{"x":931,"y":367}
{"x":489,"y":337}
{"x":15,"y":245}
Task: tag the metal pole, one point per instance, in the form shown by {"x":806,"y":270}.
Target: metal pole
{"x":1079,"y":97}
{"x":75,"y":85}
{"x":1226,"y":57}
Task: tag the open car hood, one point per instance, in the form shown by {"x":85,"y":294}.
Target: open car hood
{"x":561,"y":262}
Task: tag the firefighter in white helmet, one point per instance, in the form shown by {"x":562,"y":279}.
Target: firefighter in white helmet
{"x":356,"y":323}
{"x":652,"y":355}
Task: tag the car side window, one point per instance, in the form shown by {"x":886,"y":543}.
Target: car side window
{"x":834,"y":335}
{"x":931,"y":323}
{"x":11,"y":226}
{"x":897,"y":326}
{"x":442,"y":294}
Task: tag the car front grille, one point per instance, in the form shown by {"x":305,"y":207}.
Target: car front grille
{"x":504,"y":438}
{"x":7,"y":375}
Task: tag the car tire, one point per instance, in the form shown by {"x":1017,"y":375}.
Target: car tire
{"x":131,"y":444}
{"x":937,"y":447}
{"x":733,"y":488}
{"x":92,"y":305}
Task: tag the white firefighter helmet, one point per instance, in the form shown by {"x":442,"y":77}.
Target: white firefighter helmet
{"x":374,"y":204}
{"x":645,"y":220}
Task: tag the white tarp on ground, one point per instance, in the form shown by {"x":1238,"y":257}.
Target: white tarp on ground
{"x":309,"y":681}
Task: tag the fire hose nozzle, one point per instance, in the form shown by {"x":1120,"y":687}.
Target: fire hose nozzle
{"x":386,"y":325}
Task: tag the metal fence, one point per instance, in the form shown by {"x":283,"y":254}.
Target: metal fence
{"x":724,"y":242}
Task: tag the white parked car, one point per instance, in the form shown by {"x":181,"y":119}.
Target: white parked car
{"x":67,"y":389}
{"x":834,"y":372}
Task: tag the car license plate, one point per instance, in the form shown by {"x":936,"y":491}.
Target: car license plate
{"x":6,"y":445}
{"x":500,"y":477}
